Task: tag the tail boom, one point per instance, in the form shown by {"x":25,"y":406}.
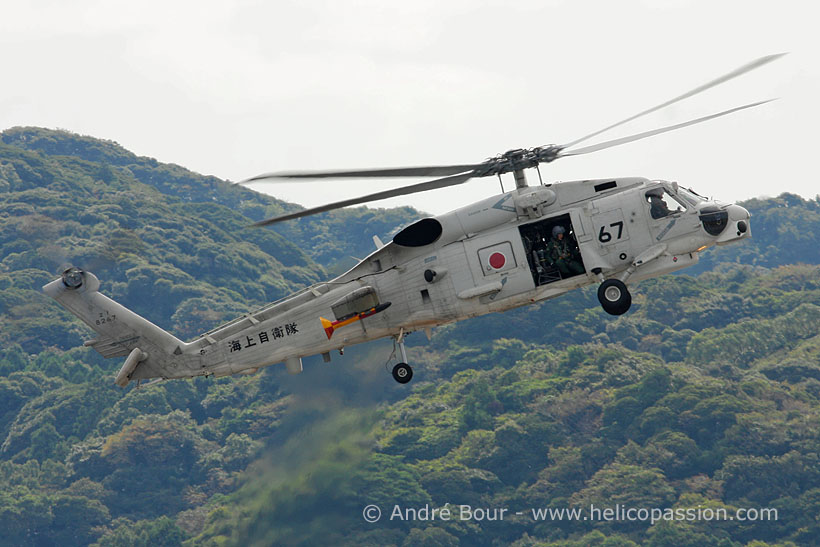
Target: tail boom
{"x":152,"y":352}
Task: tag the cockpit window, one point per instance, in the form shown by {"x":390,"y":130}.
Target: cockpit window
{"x":662,"y":203}
{"x":691,"y":197}
{"x":693,"y":192}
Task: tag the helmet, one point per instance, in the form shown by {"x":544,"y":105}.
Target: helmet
{"x":557,"y":230}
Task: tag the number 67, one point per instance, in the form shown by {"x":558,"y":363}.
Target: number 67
{"x":604,"y":236}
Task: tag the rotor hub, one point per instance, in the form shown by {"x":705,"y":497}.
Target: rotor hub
{"x":73,"y":278}
{"x":518,"y":159}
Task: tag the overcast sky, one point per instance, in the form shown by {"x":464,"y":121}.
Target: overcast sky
{"x":237,"y":88}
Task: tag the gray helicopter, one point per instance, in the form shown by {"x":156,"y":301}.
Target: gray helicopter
{"x":523,"y":246}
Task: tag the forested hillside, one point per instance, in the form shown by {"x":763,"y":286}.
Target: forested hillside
{"x":706,"y":394}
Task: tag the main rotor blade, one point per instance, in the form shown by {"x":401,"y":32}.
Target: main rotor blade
{"x":639,"y":136}
{"x":725,"y":78}
{"x":427,"y":171}
{"x":412,"y":189}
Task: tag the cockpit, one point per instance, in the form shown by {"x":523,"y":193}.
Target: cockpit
{"x":663,"y":203}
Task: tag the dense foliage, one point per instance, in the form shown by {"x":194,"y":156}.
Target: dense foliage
{"x":706,"y":394}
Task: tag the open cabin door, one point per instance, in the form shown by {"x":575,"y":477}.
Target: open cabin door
{"x":551,"y":249}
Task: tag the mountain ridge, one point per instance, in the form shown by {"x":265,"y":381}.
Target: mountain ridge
{"x":707,"y":393}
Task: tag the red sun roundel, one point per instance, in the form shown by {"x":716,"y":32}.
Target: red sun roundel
{"x":497,"y":260}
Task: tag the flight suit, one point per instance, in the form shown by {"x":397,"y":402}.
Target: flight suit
{"x":562,"y":257}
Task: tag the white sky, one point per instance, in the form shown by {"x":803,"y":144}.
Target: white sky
{"x":237,"y":88}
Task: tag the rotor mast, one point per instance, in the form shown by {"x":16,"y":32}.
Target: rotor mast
{"x":517,"y":161}
{"x":520,"y":178}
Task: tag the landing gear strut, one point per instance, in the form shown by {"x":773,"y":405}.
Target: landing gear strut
{"x":614,"y":296}
{"x":402,"y":373}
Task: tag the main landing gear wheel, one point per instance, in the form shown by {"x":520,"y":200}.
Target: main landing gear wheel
{"x":614,"y":297}
{"x":402,"y":373}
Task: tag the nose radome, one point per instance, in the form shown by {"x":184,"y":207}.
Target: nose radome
{"x":736,"y":212}
{"x":737,"y":225}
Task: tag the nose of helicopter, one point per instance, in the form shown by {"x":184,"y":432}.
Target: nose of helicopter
{"x":738,"y":226}
{"x":736,"y":212}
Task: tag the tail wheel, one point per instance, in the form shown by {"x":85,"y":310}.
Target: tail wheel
{"x":614,"y":297}
{"x":402,"y":373}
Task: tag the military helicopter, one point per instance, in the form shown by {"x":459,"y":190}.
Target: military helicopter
{"x":523,"y":246}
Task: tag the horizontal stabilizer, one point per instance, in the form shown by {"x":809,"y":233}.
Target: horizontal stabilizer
{"x":108,"y":347}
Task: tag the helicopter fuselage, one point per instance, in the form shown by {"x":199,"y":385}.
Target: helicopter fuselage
{"x":491,"y":256}
{"x":510,"y":250}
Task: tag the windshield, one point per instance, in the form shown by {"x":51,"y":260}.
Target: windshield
{"x":690,"y":195}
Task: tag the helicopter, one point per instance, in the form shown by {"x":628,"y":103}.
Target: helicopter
{"x":524,"y":246}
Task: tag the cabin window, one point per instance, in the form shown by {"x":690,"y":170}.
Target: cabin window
{"x":357,"y":301}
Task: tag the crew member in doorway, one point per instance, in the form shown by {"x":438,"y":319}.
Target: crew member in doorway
{"x":562,"y":254}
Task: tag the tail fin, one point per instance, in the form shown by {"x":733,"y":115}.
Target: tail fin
{"x":120,"y":330}
{"x":328,"y":326}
